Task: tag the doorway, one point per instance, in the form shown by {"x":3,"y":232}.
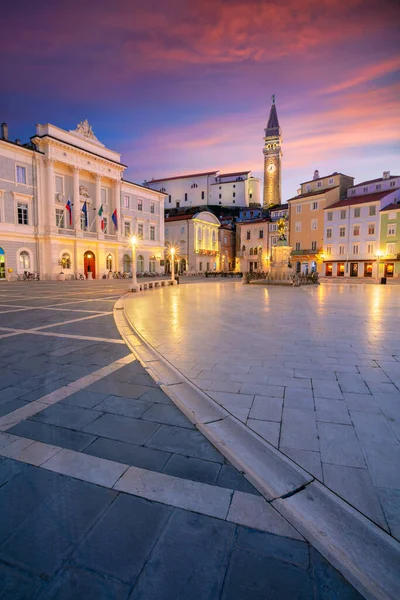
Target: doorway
{"x":89,"y":263}
{"x":2,"y":264}
{"x":389,"y":269}
{"x":353,"y":269}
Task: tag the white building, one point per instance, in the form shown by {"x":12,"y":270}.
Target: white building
{"x":351,"y":233}
{"x":387,"y":182}
{"x":62,"y":169}
{"x":195,"y":238}
{"x":209,"y":188}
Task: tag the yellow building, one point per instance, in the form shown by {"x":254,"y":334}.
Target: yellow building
{"x":306,"y":218}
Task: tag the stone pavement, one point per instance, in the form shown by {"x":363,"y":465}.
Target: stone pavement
{"x":106,"y":489}
{"x":315,"y":371}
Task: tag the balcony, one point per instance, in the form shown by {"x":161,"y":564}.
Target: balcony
{"x":110,"y":236}
{"x":304,"y":251}
{"x":69,"y":232}
{"x":206,"y":252}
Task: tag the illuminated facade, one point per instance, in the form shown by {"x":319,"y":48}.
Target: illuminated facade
{"x":272,"y":160}
{"x":390,"y":241}
{"x":252,"y":250}
{"x":195,"y":238}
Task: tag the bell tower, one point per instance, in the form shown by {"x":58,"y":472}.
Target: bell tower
{"x":272,"y":159}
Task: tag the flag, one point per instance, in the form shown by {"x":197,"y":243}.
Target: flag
{"x":100,"y":213}
{"x":84,"y":210}
{"x":115,"y":219}
{"x":69,"y":209}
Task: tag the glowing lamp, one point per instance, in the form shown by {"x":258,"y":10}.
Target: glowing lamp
{"x":133,"y":240}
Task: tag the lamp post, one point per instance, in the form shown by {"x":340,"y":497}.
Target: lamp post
{"x":378,"y":256}
{"x":134,"y":280}
{"x":172,"y":253}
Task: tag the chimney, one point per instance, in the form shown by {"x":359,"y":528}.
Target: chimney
{"x":4,"y":131}
{"x":18,"y":141}
{"x":386,"y":175}
{"x":316,"y":174}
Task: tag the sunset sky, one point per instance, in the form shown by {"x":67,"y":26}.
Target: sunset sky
{"x":183,"y":86}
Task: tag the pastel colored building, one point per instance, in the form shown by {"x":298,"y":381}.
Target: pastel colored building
{"x":64,"y":205}
{"x":252,"y":249}
{"x":195,"y":239}
{"x":306,"y":218}
{"x":389,"y":263}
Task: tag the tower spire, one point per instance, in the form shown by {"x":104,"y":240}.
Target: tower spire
{"x":272,"y":158}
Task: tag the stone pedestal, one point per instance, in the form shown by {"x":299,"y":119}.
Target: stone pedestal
{"x":279,"y":266}
{"x":90,"y":275}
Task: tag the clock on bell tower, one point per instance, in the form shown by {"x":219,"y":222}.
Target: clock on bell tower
{"x":272,"y":159}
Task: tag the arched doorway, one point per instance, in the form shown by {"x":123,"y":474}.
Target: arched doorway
{"x":182,"y":266}
{"x":89,"y":263}
{"x":127,"y":263}
{"x":167,"y":266}
{"x":2,"y":264}
{"x":140,"y":264}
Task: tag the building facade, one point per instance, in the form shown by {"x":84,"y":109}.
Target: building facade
{"x":389,"y":265}
{"x":64,"y":206}
{"x":195,"y":239}
{"x":272,"y":160}
{"x":306,"y":218}
{"x":252,"y":250}
{"x":227,"y":248}
{"x":209,"y":188}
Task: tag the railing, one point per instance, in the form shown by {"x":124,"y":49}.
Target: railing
{"x":304,"y":251}
{"x":206,"y":252}
{"x":90,"y":234}
{"x":110,"y":236}
{"x":63,"y":231}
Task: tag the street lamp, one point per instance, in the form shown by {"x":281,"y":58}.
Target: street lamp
{"x":134,"y":280}
{"x":378,"y":255}
{"x":172,"y":253}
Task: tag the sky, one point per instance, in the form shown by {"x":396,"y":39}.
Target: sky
{"x":180,"y":86}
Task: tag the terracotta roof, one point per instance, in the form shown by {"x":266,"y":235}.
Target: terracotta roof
{"x":359,"y":200}
{"x":181,"y":177}
{"x":179,"y":218}
{"x":143,"y":186}
{"x":232,"y":174}
{"x":326,"y":176}
{"x":247,"y":223}
{"x":392,"y":206}
{"x":317,"y":193}
{"x":380,"y":179}
{"x":279,"y":207}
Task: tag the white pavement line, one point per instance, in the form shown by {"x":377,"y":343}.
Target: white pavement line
{"x":174,"y":491}
{"x":70,"y":321}
{"x":246,"y":509}
{"x":72,"y":336}
{"x":20,"y":414}
{"x":54,"y":308}
{"x":367,"y":556}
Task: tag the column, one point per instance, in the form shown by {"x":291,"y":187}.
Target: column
{"x":76,"y":209}
{"x":97,"y":197}
{"x":50,"y":214}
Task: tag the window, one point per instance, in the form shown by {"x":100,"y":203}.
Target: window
{"x":140,"y":264}
{"x":248,"y":235}
{"x":59,"y":184}
{"x":152,"y":208}
{"x":261,"y":233}
{"x":372,"y":211}
{"x":21,"y":174}
{"x":341,"y":250}
{"x":329,"y":216}
{"x":194,"y":185}
{"x":378,"y":186}
{"x":371,"y":228}
{"x":298,"y":245}
{"x":185,"y":197}
{"x":356,"y":249}
{"x":343,"y":214}
{"x":328,"y":251}
{"x":342,"y":232}
{"x":251,"y":251}
{"x":340,"y":269}
{"x":105,"y":224}
{"x":371,"y":248}
{"x":314,"y":224}
{"x":202,"y":195}
{"x":169,"y":198}
{"x":140,"y":204}
{"x":357,"y":212}
{"x":140,"y":231}
{"x":330,"y":181}
{"x":391,"y":248}
{"x":329,"y":233}
{"x":392,"y":184}
{"x":313,"y":245}
{"x":127,"y":228}
{"x":391,"y":229}
{"x":22,"y":210}
{"x":298,"y":209}
{"x":66,"y":261}
{"x":233,"y":195}
{"x":250,"y":195}
{"x":152,"y":264}
{"x":353,"y":192}
{"x":126,"y":201}
{"x":274,"y":241}
{"x":365,"y":189}
{"x":178,"y":204}
{"x":297,"y":226}
{"x":182,"y":229}
{"x":314,"y":206}
{"x":24,"y":260}
{"x":104,"y":196}
{"x":166,"y":232}
{"x":219,"y":187}
{"x":200,"y":266}
{"x":220,"y":196}
{"x":83,"y":222}
{"x":319,"y":184}
{"x":60,"y":218}
{"x":392,"y":216}
{"x":152,"y":233}
{"x":356,"y":230}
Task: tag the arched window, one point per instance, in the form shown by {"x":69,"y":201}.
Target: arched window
{"x":152,"y":264}
{"x":243,"y":248}
{"x":24,"y":260}
{"x":251,"y":251}
{"x":127,"y":263}
{"x":109,"y":262}
{"x":140,"y":264}
{"x":66,"y":261}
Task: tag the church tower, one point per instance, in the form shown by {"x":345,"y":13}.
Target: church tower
{"x":272,"y":159}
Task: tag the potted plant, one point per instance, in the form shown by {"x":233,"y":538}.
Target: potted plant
{"x":61,"y":275}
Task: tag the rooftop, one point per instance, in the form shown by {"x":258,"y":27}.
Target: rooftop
{"x":380,"y":179}
{"x":189,"y":176}
{"x":391,"y":206}
{"x":359,"y":200}
{"x":316,"y":193}
{"x":326,"y":176}
{"x":234,"y":174}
